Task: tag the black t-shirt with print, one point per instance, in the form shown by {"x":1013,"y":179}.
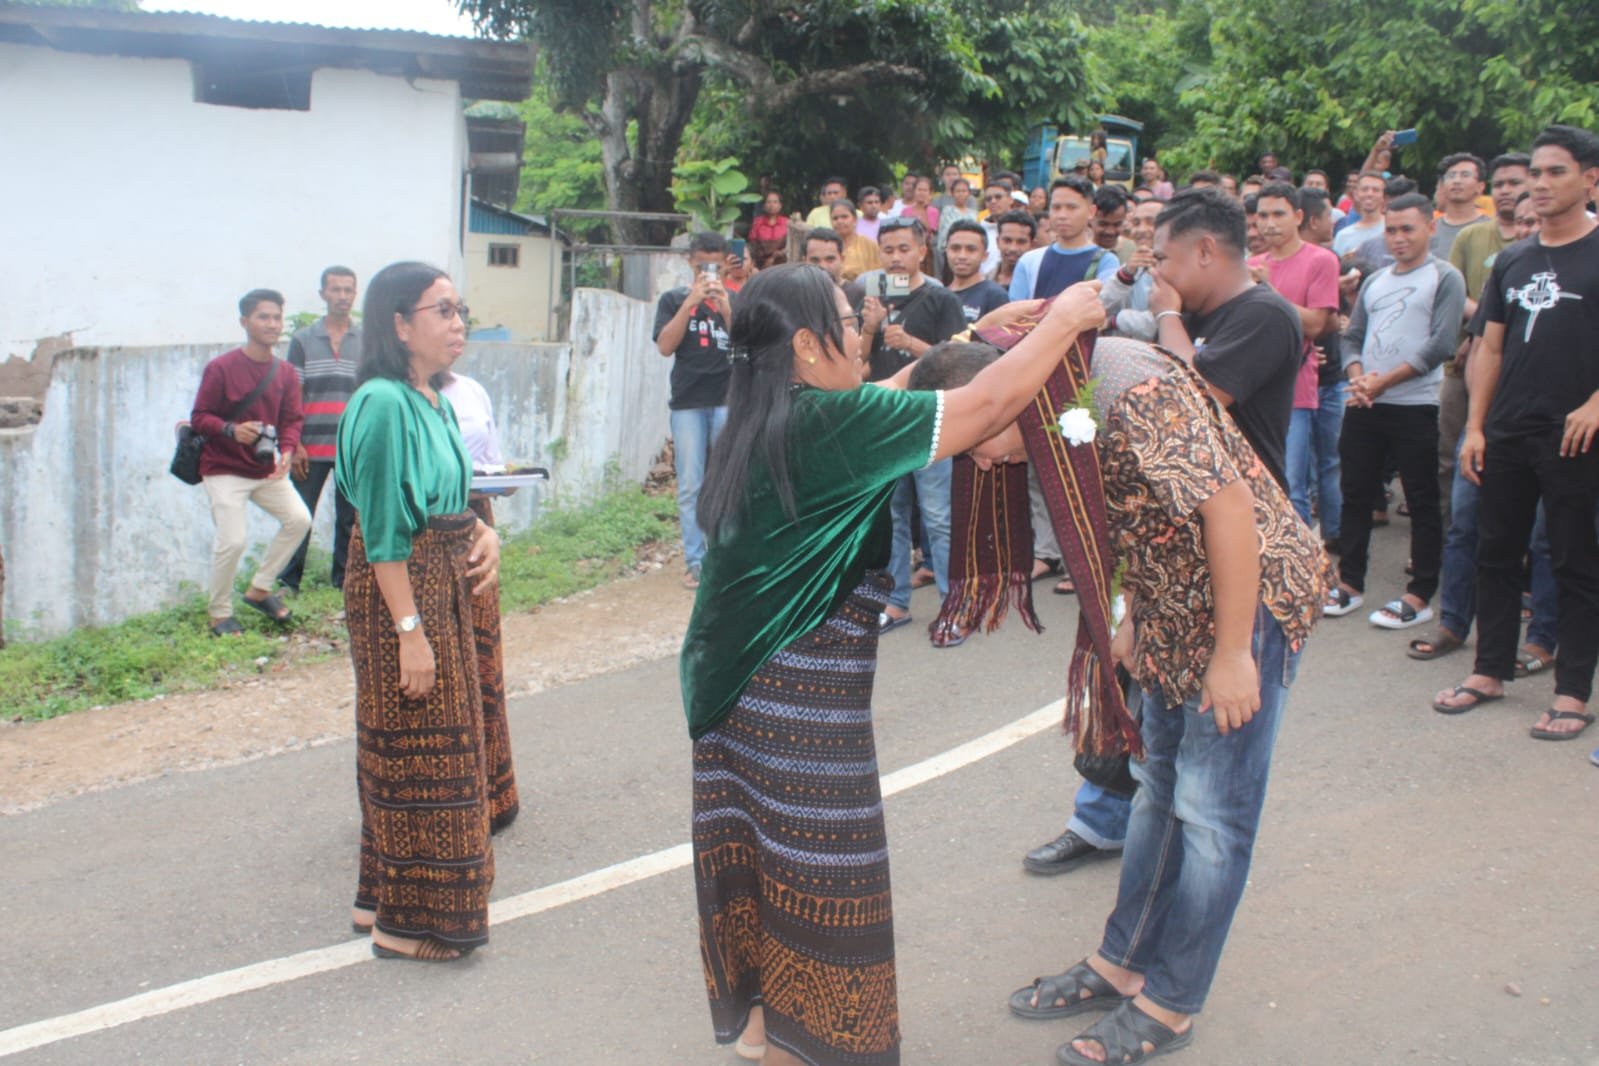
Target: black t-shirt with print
{"x":977,"y":300}
{"x":700,"y":369}
{"x":1251,"y":348}
{"x":930,"y":313}
{"x":1548,"y":301}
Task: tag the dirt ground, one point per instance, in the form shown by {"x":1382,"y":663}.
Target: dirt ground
{"x":610,"y":628}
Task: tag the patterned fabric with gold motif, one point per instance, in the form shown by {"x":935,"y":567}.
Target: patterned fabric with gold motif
{"x":1166,"y":448}
{"x":503,"y":799}
{"x":790,"y":853}
{"x":426,"y":861}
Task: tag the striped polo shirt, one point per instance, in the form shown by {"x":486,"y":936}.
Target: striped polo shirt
{"x":327,"y":381}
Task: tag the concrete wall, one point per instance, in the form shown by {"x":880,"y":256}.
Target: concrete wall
{"x":517,"y":298}
{"x":138,"y":217}
{"x":94,"y":529}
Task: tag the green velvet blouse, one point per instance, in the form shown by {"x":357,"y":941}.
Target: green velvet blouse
{"x":400,"y":461}
{"x":773,"y":578}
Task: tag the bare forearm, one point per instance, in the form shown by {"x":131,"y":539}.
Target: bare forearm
{"x":1173,"y":336}
{"x":1232,"y":548}
{"x":394,"y":582}
{"x":673,"y":332}
{"x":1482,"y":381}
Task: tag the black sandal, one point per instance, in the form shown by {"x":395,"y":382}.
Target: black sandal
{"x":226,"y":627}
{"x":1123,"y":1034}
{"x":427,"y":950}
{"x":1051,"y":568}
{"x":1540,"y":733}
{"x":1068,"y":986}
{"x":273,"y":608}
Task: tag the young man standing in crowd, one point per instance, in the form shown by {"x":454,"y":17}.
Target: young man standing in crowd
{"x":947,"y":179}
{"x":1401,"y":331}
{"x":1366,"y":222}
{"x":1459,"y":185}
{"x":1110,"y":220}
{"x":1307,"y":277}
{"x":1013,"y":233}
{"x":248,"y":410}
{"x":1245,"y":342}
{"x":965,"y":248}
{"x":895,"y":331}
{"x":822,"y":214}
{"x":871,"y":204}
{"x":691,"y":329}
{"x":1073,"y":256}
{"x":1530,"y":431}
{"x":1473,"y":254}
{"x":325,"y":355}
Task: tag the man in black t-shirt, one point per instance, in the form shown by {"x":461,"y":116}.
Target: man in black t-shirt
{"x":691,"y":328}
{"x":895,"y":331}
{"x":1245,"y":341}
{"x":1530,"y":434}
{"x":965,"y":248}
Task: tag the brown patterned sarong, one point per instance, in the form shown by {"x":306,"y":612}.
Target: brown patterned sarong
{"x":503,"y":801}
{"x":426,"y":860}
{"x":790,"y":854}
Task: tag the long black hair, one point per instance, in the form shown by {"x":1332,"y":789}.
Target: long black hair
{"x":775,"y":305}
{"x":395,"y":288}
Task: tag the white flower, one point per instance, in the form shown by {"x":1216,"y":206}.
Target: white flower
{"x":1077,"y":426}
{"x":1118,"y":610}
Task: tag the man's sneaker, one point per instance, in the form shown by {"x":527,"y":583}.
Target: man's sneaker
{"x":1064,"y":854}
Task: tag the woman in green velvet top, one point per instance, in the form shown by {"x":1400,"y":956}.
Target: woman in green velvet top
{"x":791,"y":861}
{"x":415,"y":557}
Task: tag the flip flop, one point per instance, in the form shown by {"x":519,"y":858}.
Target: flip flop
{"x":1540,"y":733}
{"x":1051,"y":568}
{"x":1478,"y":698}
{"x":1065,"y":587}
{"x":887,"y":623}
{"x":273,"y":608}
{"x":1437,"y":646}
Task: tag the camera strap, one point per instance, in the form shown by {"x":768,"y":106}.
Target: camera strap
{"x":255,"y":393}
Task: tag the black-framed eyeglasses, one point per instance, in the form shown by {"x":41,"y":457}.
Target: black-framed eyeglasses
{"x":853,"y":320}
{"x":446,"y":310}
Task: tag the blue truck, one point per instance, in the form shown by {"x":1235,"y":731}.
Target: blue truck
{"x":1050,"y":153}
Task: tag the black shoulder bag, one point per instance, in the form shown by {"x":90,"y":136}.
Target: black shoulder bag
{"x":186,"y":457}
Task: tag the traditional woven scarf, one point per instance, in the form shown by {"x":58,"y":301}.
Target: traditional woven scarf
{"x":990,"y":548}
{"x":1074,"y":491}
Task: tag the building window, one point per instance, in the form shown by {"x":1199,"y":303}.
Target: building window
{"x":241,"y":83}
{"x":505,"y":255}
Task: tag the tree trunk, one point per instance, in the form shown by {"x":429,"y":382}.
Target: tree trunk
{"x":659,"y":103}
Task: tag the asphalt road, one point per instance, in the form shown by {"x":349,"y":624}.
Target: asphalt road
{"x":1421,"y":891}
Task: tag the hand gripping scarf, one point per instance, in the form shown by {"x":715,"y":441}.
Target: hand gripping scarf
{"x":991,"y":547}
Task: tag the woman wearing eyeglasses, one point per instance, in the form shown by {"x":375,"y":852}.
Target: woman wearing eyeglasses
{"x":790,"y":855}
{"x":418,"y":556}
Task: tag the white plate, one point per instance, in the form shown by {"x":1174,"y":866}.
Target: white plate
{"x":482,"y":482}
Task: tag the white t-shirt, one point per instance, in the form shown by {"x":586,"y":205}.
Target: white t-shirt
{"x":475,"y":412}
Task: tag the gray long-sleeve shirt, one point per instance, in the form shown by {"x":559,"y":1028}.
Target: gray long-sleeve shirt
{"x":1410,"y":318}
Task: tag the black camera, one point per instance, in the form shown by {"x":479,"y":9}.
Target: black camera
{"x":266,"y":445}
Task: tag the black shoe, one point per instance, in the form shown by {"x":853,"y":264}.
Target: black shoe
{"x":1064,"y":854}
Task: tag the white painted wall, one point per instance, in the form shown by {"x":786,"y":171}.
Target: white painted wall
{"x":137,"y":217}
{"x":94,"y":529}
{"x":518,"y":297}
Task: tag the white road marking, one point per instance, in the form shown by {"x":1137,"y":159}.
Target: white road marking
{"x":259,"y":975}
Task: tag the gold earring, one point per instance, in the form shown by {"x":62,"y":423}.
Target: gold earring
{"x":810,"y":358}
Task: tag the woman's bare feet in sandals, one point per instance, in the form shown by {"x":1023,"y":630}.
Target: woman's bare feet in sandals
{"x":1549,"y":724}
{"x":751,"y":1042}
{"x":361,"y":919}
{"x":424,"y":950}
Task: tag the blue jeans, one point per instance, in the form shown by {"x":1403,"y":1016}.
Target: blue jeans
{"x":1192,"y":833}
{"x":1457,"y":592}
{"x":1312,"y":458}
{"x":694,"y":430}
{"x":931,"y":486}
{"x":1100,"y":817}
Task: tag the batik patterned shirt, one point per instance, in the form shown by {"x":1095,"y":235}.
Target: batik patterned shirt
{"x":1166,"y":447}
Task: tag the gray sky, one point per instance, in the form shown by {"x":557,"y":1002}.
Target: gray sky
{"x":426,"y":16}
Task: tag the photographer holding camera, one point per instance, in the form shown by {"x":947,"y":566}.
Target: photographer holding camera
{"x":248,"y":410}
{"x":691,"y":329}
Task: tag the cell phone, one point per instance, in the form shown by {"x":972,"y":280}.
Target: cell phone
{"x":735,"y":248}
{"x":713,"y":269}
{"x":1404,"y":137}
{"x":893,"y":286}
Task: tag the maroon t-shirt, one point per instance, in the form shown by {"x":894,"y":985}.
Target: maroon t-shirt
{"x":229,"y":378}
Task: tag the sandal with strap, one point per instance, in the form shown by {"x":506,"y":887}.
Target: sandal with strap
{"x":427,"y":950}
{"x":1478,"y":698}
{"x":272,"y":607}
{"x":1541,"y":733}
{"x":1123,"y":1034}
{"x":1434,"y":647}
{"x":1069,"y":988}
{"x":1529,"y":662}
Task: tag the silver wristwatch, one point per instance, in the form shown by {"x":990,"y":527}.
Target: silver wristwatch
{"x":408,"y":623}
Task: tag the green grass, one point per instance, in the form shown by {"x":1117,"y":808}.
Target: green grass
{"x":567,"y":550}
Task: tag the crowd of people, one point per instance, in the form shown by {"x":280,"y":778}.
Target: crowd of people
{"x":1268,"y":356}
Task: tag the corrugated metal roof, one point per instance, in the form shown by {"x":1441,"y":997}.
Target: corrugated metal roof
{"x":486,"y":70}
{"x":487,"y":218}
